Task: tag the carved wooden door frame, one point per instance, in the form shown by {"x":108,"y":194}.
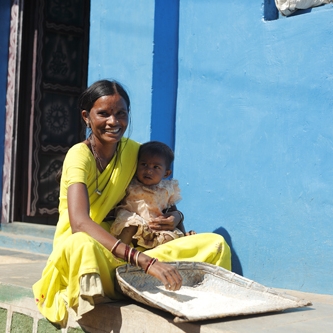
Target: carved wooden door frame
{"x":47,"y":71}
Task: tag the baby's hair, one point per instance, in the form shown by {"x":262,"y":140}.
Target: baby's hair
{"x":156,"y":148}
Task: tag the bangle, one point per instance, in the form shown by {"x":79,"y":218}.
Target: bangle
{"x":132,"y":255}
{"x":136,"y":258}
{"x":127,"y":249}
{"x":115,"y":245}
{"x":151,"y":263}
{"x":129,"y":255}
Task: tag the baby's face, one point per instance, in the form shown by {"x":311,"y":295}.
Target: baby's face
{"x":151,"y":169}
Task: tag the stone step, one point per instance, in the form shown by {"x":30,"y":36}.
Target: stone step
{"x":27,"y":237}
{"x":22,"y":228}
{"x":19,"y":313}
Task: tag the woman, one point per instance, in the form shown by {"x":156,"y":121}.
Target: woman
{"x":80,"y":271}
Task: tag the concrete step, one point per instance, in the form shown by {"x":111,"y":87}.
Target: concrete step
{"x":18,"y":311}
{"x":22,"y":228}
{"x":27,"y":237}
{"x":20,"y":314}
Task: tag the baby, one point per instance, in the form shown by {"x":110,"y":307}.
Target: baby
{"x":150,"y":195}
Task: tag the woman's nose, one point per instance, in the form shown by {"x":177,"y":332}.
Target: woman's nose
{"x":112,"y":119}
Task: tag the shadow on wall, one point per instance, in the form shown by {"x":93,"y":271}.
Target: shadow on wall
{"x":236,"y":266}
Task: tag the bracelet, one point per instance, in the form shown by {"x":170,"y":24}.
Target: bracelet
{"x":115,"y":245}
{"x":132,"y":255}
{"x":136,"y":258}
{"x":129,"y":255}
{"x":151,"y":263}
{"x":127,"y":249}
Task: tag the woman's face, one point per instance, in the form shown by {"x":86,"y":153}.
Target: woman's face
{"x":108,"y":118}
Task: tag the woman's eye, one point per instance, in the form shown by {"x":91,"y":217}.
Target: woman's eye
{"x":122,"y":113}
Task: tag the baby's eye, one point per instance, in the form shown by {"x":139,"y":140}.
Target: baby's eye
{"x":157,"y":167}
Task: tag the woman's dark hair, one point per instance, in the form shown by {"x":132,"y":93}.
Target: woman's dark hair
{"x":99,"y":89}
{"x":156,"y":148}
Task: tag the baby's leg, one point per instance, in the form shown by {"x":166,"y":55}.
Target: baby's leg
{"x":127,"y":234}
{"x":166,"y":238}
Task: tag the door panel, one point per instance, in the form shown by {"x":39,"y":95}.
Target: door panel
{"x":56,"y":40}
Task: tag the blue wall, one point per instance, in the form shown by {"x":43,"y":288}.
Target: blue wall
{"x":254,"y":127}
{"x":4,"y":43}
{"x":121,"y":48}
{"x":165,"y":72}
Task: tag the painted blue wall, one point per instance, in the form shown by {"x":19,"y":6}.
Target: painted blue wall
{"x":165,"y":72}
{"x":121,"y":48}
{"x":4,"y":43}
{"x":254,"y":143}
{"x":254,"y":127}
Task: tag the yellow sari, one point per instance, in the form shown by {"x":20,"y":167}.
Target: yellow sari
{"x":78,"y":260}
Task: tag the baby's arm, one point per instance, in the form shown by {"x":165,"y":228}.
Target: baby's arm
{"x":174,"y":212}
{"x":168,"y":221}
{"x":180,"y":225}
{"x":127,"y":234}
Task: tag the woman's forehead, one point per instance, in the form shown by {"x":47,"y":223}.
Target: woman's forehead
{"x":111,"y":102}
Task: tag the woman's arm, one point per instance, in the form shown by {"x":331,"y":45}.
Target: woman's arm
{"x":78,"y":211}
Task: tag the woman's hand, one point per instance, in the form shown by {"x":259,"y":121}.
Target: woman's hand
{"x":167,"y":274}
{"x":164,"y":222}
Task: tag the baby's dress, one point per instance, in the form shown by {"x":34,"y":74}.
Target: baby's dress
{"x":142,"y":204}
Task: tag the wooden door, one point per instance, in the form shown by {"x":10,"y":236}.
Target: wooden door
{"x":53,"y":74}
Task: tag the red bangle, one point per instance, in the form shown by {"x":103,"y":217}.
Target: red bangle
{"x":126,"y":252}
{"x":151,"y":263}
{"x":132,"y":262}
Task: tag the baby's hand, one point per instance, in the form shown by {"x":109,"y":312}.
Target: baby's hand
{"x":162,"y":223}
{"x":191,"y":232}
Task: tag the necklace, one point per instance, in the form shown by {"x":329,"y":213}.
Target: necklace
{"x":97,"y":159}
{"x":96,"y":156}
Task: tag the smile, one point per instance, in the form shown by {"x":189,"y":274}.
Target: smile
{"x":113,"y":131}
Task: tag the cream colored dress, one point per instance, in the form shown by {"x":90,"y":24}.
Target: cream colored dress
{"x":142,"y":204}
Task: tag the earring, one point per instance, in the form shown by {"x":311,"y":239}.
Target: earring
{"x":88,"y":125}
